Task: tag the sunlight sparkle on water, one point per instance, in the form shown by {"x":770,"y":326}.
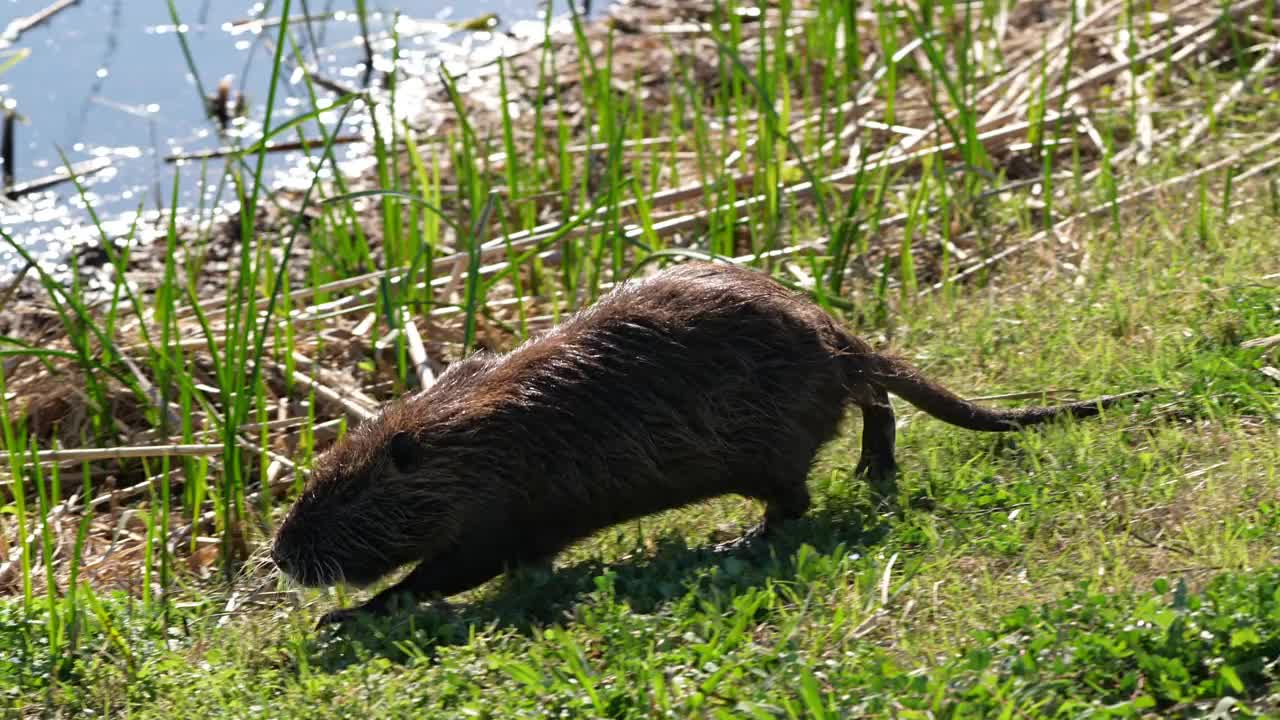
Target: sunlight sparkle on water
{"x":112,"y":120}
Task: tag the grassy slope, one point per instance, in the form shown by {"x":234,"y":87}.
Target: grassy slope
{"x":1118,"y":524}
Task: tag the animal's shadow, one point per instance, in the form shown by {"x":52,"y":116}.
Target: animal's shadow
{"x":529,"y":599}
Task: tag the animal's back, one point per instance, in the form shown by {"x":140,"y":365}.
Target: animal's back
{"x":695,"y":382}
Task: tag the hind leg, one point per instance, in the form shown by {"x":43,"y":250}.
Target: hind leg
{"x":877,"y":463}
{"x":783,"y":502}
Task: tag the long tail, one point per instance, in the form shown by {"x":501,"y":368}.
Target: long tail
{"x":900,"y":378}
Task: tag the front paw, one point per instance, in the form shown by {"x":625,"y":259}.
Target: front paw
{"x":338,"y":617}
{"x":380,"y":605}
{"x":375,"y":607}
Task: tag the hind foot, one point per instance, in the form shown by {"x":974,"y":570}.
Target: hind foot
{"x":530,"y":572}
{"x":876,"y":465}
{"x":882,"y":477}
{"x":788,"y":503}
{"x":751,"y":537}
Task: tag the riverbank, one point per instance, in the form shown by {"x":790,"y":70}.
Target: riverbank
{"x":655,"y":142}
{"x":954,"y":186}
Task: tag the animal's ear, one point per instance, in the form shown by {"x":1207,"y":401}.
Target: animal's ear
{"x":405,"y":452}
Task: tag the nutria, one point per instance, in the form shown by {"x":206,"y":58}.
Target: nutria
{"x":700,"y":380}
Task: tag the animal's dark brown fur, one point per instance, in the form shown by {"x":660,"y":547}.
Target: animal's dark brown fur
{"x":699,"y":381}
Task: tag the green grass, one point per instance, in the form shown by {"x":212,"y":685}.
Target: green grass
{"x":1110,"y":567}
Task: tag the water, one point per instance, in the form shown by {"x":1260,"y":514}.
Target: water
{"x":106,"y":81}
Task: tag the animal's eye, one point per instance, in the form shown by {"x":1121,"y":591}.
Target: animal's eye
{"x":404,"y":451}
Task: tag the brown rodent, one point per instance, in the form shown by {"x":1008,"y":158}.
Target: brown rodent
{"x":701,"y":380}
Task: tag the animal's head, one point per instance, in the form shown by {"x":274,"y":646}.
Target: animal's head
{"x":376,"y":500}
